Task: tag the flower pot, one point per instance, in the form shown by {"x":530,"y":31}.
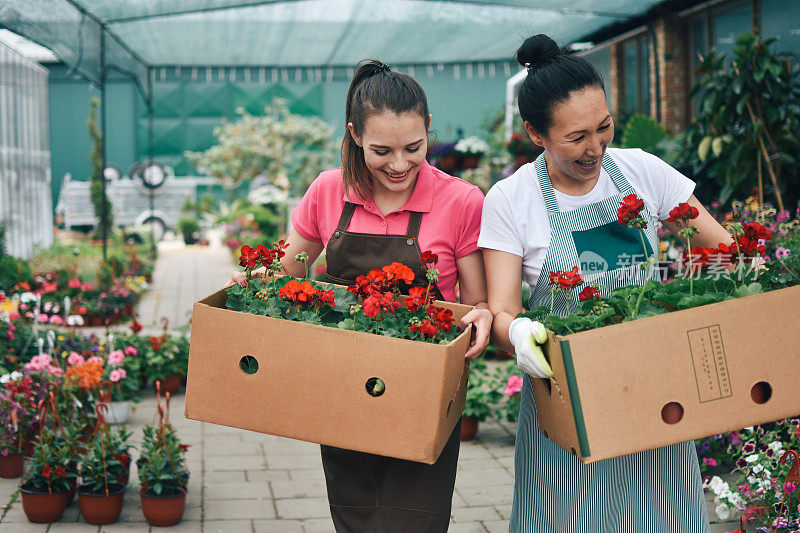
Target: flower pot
{"x":99,"y":509}
{"x":469,"y":428}
{"x":118,"y":412}
{"x":170,"y":384}
{"x":470,"y":161}
{"x":11,"y":465}
{"x":43,"y":507}
{"x":447,"y":162}
{"x":96,"y":320}
{"x":163,"y":511}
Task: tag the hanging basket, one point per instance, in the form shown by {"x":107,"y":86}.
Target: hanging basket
{"x":163,"y":511}
{"x":43,"y":507}
{"x":99,"y":509}
{"x":11,"y":465}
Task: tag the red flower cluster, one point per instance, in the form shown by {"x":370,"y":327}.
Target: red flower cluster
{"x":589,"y":293}
{"x":630,"y":210}
{"x":377,"y":303}
{"x":418,"y":297}
{"x":440,"y":319}
{"x":383,"y":280}
{"x":157,"y":342}
{"x":683,"y":213}
{"x":296,"y":291}
{"x":567,"y":280}
{"x":724,"y":254}
{"x":250,"y":257}
{"x":428,"y":258}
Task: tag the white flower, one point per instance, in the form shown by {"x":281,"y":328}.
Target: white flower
{"x":5,"y":378}
{"x":16,"y":375}
{"x":26,"y":297}
{"x":715,"y":484}
{"x":472,"y":145}
{"x":723,"y":511}
{"x":776,"y":446}
{"x":751,"y":458}
{"x":75,"y":320}
{"x":758,"y":468}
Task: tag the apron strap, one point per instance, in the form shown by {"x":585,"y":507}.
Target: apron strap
{"x":547,"y":187}
{"x":347,"y":213}
{"x":414,"y":221}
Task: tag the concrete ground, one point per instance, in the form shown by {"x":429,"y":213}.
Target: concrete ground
{"x":248,"y":482}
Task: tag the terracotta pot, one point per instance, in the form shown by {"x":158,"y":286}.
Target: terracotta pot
{"x":95,"y":320}
{"x":43,"y":507}
{"x":99,"y":509}
{"x":170,"y":384}
{"x":469,"y":428}
{"x":470,"y":161}
{"x":447,"y":162}
{"x":163,"y":511}
{"x":11,"y":465}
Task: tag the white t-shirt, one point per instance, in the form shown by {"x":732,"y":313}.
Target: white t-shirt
{"x":515,"y":218}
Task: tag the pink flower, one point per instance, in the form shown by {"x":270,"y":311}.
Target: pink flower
{"x":116,"y":357}
{"x":74,"y":283}
{"x":43,"y":318}
{"x":44,"y":359}
{"x":789,"y":487}
{"x":86,"y":286}
{"x":513,"y":386}
{"x":130,"y":350}
{"x":56,"y":319}
{"x":115,"y":375}
{"x":33,"y":365}
{"x":781,"y":252}
{"x":95,"y":359}
{"x":13,"y":315}
{"x":710,"y":461}
{"x":55,"y":371}
{"x":75,"y":359}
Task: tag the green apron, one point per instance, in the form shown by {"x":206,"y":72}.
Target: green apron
{"x":653,"y":491}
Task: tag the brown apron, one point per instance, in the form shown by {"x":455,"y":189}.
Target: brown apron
{"x":370,"y":492}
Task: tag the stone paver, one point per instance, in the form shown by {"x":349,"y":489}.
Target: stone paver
{"x":249,"y":482}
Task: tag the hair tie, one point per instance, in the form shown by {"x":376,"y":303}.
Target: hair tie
{"x":383,"y":67}
{"x":527,"y":66}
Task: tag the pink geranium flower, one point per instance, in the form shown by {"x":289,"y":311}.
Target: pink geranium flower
{"x":513,"y":385}
{"x":117,"y":374}
{"x":74,"y":283}
{"x":86,"y":286}
{"x":95,"y":359}
{"x":75,"y":359}
{"x":130,"y":350}
{"x":116,"y":357}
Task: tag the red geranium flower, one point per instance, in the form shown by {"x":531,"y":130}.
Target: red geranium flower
{"x":441,"y":317}
{"x":683,"y":213}
{"x":630,"y":209}
{"x":249,"y":257}
{"x":279,"y":248}
{"x":589,"y":293}
{"x":570,"y":279}
{"x":61,"y":471}
{"x":416,"y":298}
{"x":755,"y":231}
{"x":296,"y":291}
{"x":46,"y":471}
{"x":398,"y":272}
{"x":371,"y":306}
{"x":427,"y":257}
{"x":325,"y":297}
{"x":425,"y":328}
{"x":555,"y":277}
{"x":136,"y":327}
{"x":702,"y":256}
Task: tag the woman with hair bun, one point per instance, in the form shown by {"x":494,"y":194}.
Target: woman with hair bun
{"x":387,"y":204}
{"x":554,"y":214}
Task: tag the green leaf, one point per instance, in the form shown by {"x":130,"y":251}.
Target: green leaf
{"x":702,"y":149}
{"x":749,"y":290}
{"x":716,"y":146}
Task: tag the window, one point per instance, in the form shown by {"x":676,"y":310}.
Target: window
{"x":781,"y":19}
{"x":635,"y":80}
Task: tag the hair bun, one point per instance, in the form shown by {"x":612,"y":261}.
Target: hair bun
{"x":537,"y":51}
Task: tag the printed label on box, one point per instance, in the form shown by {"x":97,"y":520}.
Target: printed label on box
{"x":710,"y":366}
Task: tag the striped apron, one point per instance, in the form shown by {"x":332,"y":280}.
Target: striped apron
{"x":653,"y":491}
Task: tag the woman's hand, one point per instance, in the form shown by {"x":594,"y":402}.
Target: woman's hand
{"x":481,"y":320}
{"x":237,"y":276}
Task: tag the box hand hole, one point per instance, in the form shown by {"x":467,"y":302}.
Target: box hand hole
{"x":672,"y":413}
{"x":248,"y":364}
{"x":375,"y":387}
{"x":761,"y":392}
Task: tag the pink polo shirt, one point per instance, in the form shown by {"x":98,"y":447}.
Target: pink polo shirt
{"x":450,"y":207}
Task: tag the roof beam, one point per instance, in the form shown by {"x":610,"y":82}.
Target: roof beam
{"x":487,"y":3}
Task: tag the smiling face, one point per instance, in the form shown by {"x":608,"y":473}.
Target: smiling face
{"x":574,"y":146}
{"x":394,"y":150}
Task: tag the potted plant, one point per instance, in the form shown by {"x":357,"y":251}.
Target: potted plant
{"x":189,"y":227}
{"x":100,"y":494}
{"x":165,"y":362}
{"x":470,"y":150}
{"x":508,"y":381}
{"x":481,"y":394}
{"x":119,"y":388}
{"x":19,"y":395}
{"x":50,"y":475}
{"x":163,"y":476}
{"x":443,"y":156}
{"x":522,"y":149}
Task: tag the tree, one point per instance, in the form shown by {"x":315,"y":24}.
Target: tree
{"x":747,"y":128}
{"x":289,"y":149}
{"x":102,"y":208}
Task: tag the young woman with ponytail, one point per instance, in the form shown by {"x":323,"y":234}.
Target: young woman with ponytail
{"x":552,"y":215}
{"x":388,"y":204}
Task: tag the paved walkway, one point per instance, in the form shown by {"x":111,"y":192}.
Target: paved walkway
{"x":249,"y":482}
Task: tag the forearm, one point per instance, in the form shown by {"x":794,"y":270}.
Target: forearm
{"x":502,"y":321}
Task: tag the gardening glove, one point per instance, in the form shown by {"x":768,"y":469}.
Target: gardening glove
{"x":526,"y":335}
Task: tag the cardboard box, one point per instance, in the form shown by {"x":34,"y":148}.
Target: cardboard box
{"x":311,"y":382}
{"x":612,"y":386}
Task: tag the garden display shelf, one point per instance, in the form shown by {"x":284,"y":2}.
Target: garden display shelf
{"x":671,"y":378}
{"x":311,"y":382}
